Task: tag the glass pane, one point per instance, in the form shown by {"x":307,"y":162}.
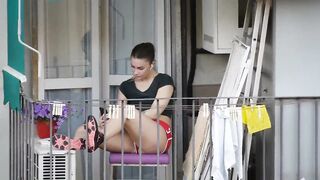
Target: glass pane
{"x":67,"y":38}
{"x":131,"y":22}
{"x":114,"y":92}
{"x":79,"y":109}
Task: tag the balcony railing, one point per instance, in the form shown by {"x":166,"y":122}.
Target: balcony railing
{"x":289,"y":149}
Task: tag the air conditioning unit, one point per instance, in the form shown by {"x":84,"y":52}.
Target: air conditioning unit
{"x":62,"y":165}
{"x":222,"y":20}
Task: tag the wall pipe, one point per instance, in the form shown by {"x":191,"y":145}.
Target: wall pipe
{"x":25,"y":44}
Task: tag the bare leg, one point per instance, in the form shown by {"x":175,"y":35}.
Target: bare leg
{"x":148,"y":133}
{"x":113,"y":132}
{"x":114,"y":143}
{"x":113,"y":127}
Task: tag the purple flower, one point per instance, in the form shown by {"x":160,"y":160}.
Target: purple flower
{"x":65,"y":112}
{"x":43,"y":111}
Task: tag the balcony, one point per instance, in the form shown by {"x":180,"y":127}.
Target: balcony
{"x":289,"y":150}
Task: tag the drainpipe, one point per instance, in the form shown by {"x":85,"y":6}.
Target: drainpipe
{"x":25,"y":44}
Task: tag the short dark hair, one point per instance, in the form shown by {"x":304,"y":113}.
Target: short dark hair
{"x":144,"y":50}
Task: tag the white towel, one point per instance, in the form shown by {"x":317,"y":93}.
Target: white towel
{"x":218,"y":127}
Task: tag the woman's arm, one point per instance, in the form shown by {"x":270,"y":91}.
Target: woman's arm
{"x":164,"y":92}
{"x":121,"y":97}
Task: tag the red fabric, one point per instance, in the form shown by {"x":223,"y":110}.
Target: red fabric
{"x":167,"y":129}
{"x":43,"y":128}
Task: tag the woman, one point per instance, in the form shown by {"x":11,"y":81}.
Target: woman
{"x":145,"y":83}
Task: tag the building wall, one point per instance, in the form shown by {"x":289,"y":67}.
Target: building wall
{"x":4,"y":111}
{"x":296,"y":73}
{"x":296,"y":45}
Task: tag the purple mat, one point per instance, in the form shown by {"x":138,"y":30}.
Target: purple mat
{"x":132,"y":158}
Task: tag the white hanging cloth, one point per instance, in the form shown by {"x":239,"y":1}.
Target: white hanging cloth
{"x":232,"y":84}
{"x":227,"y":142}
{"x":222,"y":145}
{"x":237,"y":129}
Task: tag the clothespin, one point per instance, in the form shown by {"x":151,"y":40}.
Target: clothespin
{"x":131,"y":111}
{"x":57,"y":109}
{"x":115,"y":110}
{"x":246,"y":101}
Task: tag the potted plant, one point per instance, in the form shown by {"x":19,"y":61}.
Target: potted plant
{"x":43,"y":117}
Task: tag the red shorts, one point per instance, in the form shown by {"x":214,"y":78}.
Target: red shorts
{"x":167,"y":129}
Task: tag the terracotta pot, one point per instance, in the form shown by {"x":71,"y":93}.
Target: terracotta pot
{"x":43,"y":128}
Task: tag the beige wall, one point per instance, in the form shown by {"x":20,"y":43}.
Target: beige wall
{"x":210,"y":67}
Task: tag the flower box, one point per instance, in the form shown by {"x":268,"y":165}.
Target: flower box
{"x":43,"y":117}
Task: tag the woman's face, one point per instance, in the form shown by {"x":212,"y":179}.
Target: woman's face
{"x":141,"y":68}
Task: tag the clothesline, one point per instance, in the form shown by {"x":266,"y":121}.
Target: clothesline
{"x":225,"y":139}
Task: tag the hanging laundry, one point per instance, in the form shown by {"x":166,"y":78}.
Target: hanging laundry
{"x":229,"y":145}
{"x":256,"y":117}
{"x":230,"y":141}
{"x":222,"y":145}
{"x":198,"y":135}
{"x":237,"y":134}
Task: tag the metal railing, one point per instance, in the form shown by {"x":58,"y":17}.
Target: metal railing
{"x":296,"y":138}
{"x":289,"y":149}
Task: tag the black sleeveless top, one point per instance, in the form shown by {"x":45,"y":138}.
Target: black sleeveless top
{"x":130,"y":91}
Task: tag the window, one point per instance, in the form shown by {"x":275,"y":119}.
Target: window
{"x":67,"y":39}
{"x":131,"y":22}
